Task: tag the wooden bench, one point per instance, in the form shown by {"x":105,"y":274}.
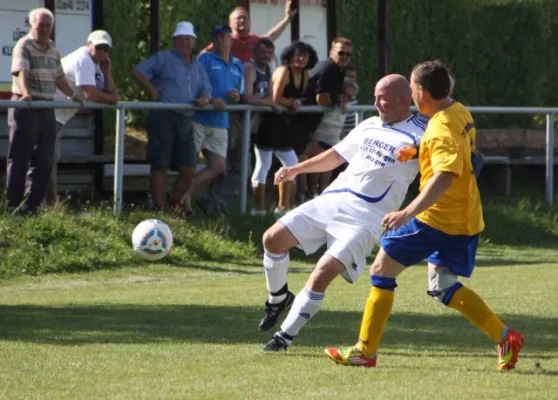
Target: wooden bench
{"x":92,"y":161}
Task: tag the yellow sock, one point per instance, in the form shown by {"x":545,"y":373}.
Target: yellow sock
{"x":473,"y":307}
{"x":376,"y":313}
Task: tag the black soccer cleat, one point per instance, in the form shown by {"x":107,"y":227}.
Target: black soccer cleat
{"x":273,"y":311}
{"x":276,"y":344}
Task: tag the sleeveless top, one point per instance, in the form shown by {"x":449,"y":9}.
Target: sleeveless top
{"x":261,"y":83}
{"x":284,"y":131}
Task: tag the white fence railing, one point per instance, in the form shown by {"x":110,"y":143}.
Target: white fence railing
{"x":123,"y":106}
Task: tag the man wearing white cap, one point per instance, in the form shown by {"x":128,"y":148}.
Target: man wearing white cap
{"x":173,"y":76}
{"x":89,"y":74}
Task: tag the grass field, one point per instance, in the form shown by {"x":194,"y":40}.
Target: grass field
{"x":187,"y":328}
{"x":158,"y":331}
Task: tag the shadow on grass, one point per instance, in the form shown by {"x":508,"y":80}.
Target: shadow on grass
{"x":129,"y":324}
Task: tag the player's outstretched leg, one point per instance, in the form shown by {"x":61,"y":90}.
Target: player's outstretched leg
{"x":444,"y":287}
{"x":307,"y":303}
{"x":378,"y":308}
{"x":277,"y":241}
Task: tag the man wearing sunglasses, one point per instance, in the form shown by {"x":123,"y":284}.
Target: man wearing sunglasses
{"x":89,"y":74}
{"x":325,"y":87}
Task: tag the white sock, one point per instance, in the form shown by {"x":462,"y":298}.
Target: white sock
{"x":306,"y":304}
{"x":276,"y":267}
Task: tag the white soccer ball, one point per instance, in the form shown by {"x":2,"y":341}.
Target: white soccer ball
{"x":152,"y":239}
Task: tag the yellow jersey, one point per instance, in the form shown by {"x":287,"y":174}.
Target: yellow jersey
{"x":446,"y":146}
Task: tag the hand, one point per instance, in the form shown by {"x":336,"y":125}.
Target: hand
{"x":219,"y":103}
{"x":105,"y":65}
{"x":155,"y":96}
{"x":201,"y":101}
{"x":343,"y":106}
{"x":26,"y":97}
{"x":295,"y":105}
{"x":289,"y":14}
{"x":277,"y":108}
{"x":234,"y":96}
{"x":77,"y":98}
{"x":395,"y":219}
{"x":405,"y":153}
{"x":114,"y":99}
{"x":285,"y":174}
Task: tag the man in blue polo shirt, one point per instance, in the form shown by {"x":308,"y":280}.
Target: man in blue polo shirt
{"x":173,"y":76}
{"x":226,"y":75}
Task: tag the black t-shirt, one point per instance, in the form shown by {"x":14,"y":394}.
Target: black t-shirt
{"x":325,"y":77}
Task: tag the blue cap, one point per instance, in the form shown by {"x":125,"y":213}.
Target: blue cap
{"x":220,"y":28}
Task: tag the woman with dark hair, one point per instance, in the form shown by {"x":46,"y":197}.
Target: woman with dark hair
{"x":283,"y":134}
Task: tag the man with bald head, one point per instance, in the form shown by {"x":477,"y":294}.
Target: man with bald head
{"x":347,"y":215}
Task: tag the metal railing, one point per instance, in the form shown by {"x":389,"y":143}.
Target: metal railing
{"x":123,"y":106}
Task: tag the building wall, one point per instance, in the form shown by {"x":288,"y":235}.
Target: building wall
{"x":313,"y":28}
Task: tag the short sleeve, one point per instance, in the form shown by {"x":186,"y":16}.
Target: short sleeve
{"x":20,"y":58}
{"x":85,"y":73}
{"x":151,"y":67}
{"x":349,"y":146}
{"x":59,"y":69}
{"x":326,"y":81}
{"x":444,"y":151}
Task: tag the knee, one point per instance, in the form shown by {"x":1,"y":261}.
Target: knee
{"x":271,"y":241}
{"x":219,"y":166}
{"x":322,"y":276}
{"x":442,"y":284}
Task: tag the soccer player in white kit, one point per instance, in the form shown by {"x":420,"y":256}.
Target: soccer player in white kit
{"x":347,"y":215}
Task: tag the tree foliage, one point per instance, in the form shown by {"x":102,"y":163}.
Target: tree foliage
{"x":501,"y":52}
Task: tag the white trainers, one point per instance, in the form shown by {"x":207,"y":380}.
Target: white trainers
{"x":258,"y":213}
{"x":279,"y":213}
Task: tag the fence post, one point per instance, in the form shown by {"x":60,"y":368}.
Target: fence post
{"x":244,"y":166}
{"x":549,"y":158}
{"x":119,"y":157}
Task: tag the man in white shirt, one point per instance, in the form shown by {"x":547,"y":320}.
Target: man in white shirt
{"x":89,"y":74}
{"x":347,"y":216}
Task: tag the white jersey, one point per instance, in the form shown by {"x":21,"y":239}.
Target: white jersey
{"x":80,"y":70}
{"x":373,"y":173}
{"x":347,"y":216}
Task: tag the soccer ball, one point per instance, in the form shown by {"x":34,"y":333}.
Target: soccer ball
{"x":152,"y":239}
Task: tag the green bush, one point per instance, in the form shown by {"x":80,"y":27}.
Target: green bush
{"x":502,"y":52}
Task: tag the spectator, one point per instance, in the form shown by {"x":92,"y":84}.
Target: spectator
{"x":243,"y":40}
{"x":283,"y":134}
{"x":36,"y":73}
{"x":173,"y":76}
{"x":326,"y":81}
{"x":328,"y":134}
{"x":258,"y":88}
{"x":226,"y":75}
{"x":88,"y":72}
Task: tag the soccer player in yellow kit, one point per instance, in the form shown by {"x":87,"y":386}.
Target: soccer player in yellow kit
{"x":442,"y":224}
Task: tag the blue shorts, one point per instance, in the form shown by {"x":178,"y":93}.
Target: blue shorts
{"x":416,"y":241}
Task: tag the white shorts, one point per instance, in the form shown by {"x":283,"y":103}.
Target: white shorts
{"x":212,"y":139}
{"x":342,"y":221}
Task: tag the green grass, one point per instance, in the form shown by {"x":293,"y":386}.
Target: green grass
{"x":186,"y":327}
{"x":158,"y":331}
